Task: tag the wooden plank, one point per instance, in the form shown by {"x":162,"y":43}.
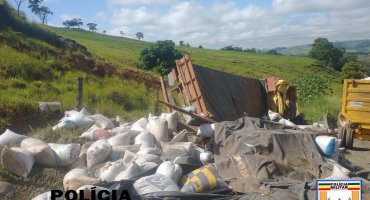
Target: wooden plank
{"x":164,"y":93}
{"x":193,"y":87}
{"x":206,"y":119}
{"x":186,"y":95}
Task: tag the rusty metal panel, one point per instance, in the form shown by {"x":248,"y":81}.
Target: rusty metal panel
{"x":190,"y":84}
{"x":271,"y":84}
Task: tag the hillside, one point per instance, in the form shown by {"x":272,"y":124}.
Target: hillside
{"x":361,"y":47}
{"x":38,"y":65}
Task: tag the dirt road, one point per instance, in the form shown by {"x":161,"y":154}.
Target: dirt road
{"x":360,"y":156}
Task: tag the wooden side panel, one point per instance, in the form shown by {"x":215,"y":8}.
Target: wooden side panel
{"x":190,"y":84}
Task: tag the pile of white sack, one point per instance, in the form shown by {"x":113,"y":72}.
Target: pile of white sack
{"x":122,"y":151}
{"x":116,"y":151}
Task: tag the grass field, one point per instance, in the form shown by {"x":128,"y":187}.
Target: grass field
{"x":124,"y":53}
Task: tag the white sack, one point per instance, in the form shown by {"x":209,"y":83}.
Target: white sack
{"x":122,"y":139}
{"x":326,"y":144}
{"x":143,"y":158}
{"x":73,"y":120}
{"x":134,"y":170}
{"x":140,"y":125}
{"x":118,"y":152}
{"x":153,"y":151}
{"x":335,"y":155}
{"x":111,"y":170}
{"x":206,"y":157}
{"x":171,"y":170}
{"x":102,"y":121}
{"x":49,"y":106}
{"x":9,"y":137}
{"x":80,"y":162}
{"x":198,"y":151}
{"x":17,"y":161}
{"x":152,"y":117}
{"x":7,"y":190}
{"x":89,"y":134}
{"x":128,"y":158}
{"x":172,"y":120}
{"x":44,"y":155}
{"x":85,"y":112}
{"x":159,"y":129}
{"x":65,"y":154}
{"x":274,"y":116}
{"x":206,"y":130}
{"x":97,"y":153}
{"x":339,"y":172}
{"x":76,"y":178}
{"x":153,"y":183}
{"x":146,"y":140}
{"x":86,"y":146}
{"x":187,"y":147}
{"x":181,"y":137}
{"x":119,"y":129}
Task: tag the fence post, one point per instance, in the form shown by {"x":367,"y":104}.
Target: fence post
{"x":79,"y":93}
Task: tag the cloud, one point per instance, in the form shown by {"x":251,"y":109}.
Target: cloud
{"x":299,"y":6}
{"x":65,"y":17}
{"x":286,"y":23}
{"x":139,"y":2}
{"x":100,"y":16}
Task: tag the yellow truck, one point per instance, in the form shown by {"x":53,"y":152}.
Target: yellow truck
{"x":354,"y":119}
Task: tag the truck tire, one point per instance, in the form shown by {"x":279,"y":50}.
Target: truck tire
{"x":342,"y":135}
{"x":349,"y":136}
{"x":342,"y":120}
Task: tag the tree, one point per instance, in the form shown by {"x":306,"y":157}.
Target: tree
{"x":272,"y":52}
{"x":67,"y":23}
{"x":181,"y":43}
{"x":187,"y":44}
{"x":42,"y":12}
{"x":351,"y":57}
{"x":104,"y":31}
{"x":34,"y":5}
{"x":139,"y":35}
{"x":92,"y":27}
{"x":200,"y":46}
{"x":159,"y":57}
{"x":323,"y":50}
{"x":77,"y":22}
{"x":19,"y":2}
{"x":72,"y":23}
{"x":353,"y":70}
{"x":122,"y":33}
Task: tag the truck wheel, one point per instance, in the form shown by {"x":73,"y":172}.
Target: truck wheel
{"x":349,"y":136}
{"x":342,"y":120}
{"x":342,"y":135}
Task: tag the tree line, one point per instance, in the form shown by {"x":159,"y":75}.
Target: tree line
{"x":337,"y":58}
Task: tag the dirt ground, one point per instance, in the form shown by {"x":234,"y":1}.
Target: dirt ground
{"x":360,"y":156}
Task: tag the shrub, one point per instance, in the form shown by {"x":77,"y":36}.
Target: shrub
{"x":312,"y":87}
{"x":353,"y":70}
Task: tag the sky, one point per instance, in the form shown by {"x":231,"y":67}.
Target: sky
{"x":260,"y":24}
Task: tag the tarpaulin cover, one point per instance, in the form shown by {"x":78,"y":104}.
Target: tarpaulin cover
{"x":228,"y":96}
{"x":247,"y":153}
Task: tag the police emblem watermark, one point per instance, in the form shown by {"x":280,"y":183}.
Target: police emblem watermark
{"x":339,"y":189}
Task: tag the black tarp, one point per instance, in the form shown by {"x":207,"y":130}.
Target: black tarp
{"x":247,"y":153}
{"x":228,"y":96}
